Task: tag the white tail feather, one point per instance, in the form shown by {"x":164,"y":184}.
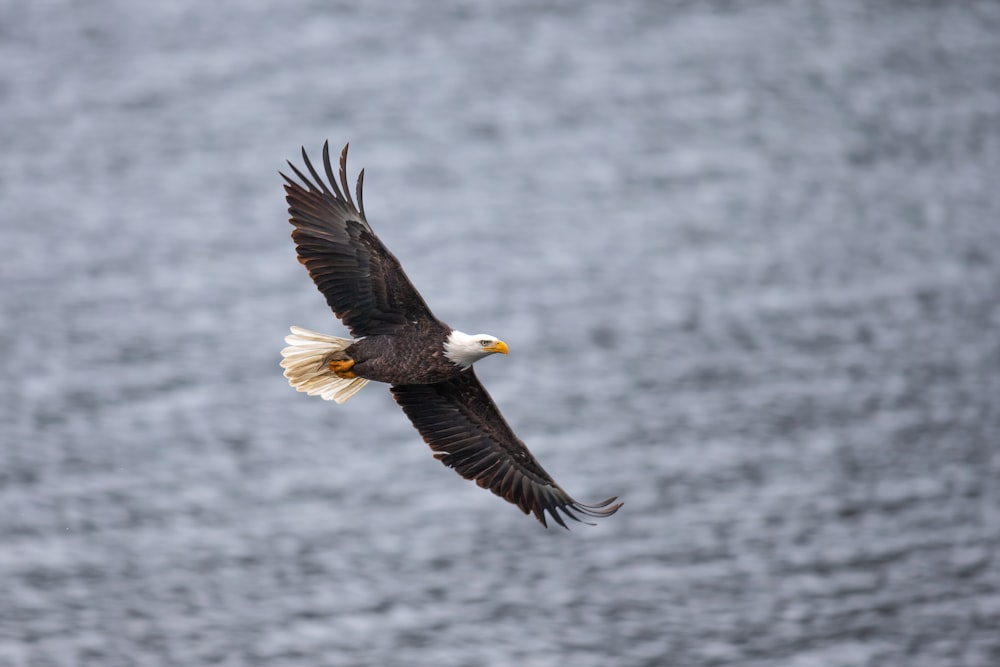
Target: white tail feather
{"x":306,"y":361}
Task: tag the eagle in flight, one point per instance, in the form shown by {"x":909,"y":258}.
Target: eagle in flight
{"x":398,"y":341}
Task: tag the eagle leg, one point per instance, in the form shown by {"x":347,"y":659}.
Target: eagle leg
{"x":342,"y":368}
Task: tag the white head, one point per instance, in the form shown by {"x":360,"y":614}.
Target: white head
{"x":464,"y":350}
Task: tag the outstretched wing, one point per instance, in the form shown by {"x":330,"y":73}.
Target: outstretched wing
{"x":462,"y":424}
{"x":362,"y":281}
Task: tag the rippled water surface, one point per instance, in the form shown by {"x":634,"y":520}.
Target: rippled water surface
{"x":746,"y":260}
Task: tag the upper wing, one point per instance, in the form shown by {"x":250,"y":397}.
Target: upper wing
{"x":362,"y":281}
{"x":460,"y":422}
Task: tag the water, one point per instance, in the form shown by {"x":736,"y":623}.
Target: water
{"x":745,"y":258}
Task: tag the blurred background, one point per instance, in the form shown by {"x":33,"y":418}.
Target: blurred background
{"x":745,"y":256}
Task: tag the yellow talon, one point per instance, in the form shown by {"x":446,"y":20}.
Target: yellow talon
{"x":342,"y":368}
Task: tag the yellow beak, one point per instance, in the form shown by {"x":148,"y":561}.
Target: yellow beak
{"x":500,"y":347}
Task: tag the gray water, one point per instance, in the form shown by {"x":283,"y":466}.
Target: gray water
{"x":746,"y":259}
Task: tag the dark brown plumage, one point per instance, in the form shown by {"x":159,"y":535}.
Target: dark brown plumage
{"x":362,"y":281}
{"x":460,"y":422}
{"x":399,"y":341}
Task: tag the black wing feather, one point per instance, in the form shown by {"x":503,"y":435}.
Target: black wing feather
{"x":362,"y":281}
{"x":463,"y":426}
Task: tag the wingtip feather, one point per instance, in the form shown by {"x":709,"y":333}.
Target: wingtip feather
{"x":343,"y":176}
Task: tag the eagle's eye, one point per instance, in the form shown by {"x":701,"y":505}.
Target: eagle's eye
{"x":484,"y":343}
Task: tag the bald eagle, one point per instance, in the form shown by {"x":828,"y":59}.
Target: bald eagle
{"x":398,"y":341}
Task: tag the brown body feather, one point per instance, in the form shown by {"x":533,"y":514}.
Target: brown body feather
{"x":413,"y":356}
